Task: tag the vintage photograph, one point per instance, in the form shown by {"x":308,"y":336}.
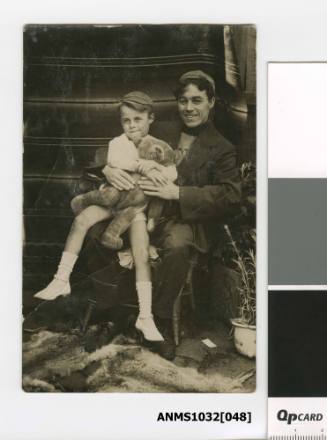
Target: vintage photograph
{"x":139,"y":253}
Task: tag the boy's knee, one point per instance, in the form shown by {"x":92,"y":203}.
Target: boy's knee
{"x":82,"y":222}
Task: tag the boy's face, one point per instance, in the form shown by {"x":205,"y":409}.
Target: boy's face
{"x":194,"y":106}
{"x":135,"y":123}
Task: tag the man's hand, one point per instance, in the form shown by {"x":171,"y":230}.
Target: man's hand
{"x":169,"y":191}
{"x":145,"y":166}
{"x":156,"y":177}
{"x":118,"y":178}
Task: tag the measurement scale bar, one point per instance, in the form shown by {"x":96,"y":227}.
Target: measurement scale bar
{"x":298,"y":437}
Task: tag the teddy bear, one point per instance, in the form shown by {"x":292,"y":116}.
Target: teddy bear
{"x":124,"y":205}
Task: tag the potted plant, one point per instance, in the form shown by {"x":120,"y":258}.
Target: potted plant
{"x":244,"y":328}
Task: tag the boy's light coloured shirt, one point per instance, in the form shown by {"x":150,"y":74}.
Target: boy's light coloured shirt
{"x":122,"y":153}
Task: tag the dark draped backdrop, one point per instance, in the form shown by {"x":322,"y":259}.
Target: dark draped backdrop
{"x":73,"y":78}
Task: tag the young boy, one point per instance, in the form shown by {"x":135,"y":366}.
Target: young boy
{"x":136,"y":115}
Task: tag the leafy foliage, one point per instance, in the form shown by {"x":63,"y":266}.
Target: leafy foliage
{"x":238,"y":252}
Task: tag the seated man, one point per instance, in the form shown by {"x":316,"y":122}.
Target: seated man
{"x":207,"y":188}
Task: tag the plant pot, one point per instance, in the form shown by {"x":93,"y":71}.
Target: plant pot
{"x":244,"y":337}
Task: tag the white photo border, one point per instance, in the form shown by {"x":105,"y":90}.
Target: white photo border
{"x":286,"y":31}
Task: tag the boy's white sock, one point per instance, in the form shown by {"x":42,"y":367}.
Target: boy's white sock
{"x":145,"y":321}
{"x":144,"y":295}
{"x":66,"y":266}
{"x":60,"y":283}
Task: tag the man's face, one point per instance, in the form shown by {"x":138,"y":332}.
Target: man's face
{"x":194,"y":106}
{"x":136,"y":124}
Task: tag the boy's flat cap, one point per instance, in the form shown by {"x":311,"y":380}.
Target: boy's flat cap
{"x":137,"y":97}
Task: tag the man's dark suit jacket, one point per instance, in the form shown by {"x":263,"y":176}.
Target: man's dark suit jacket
{"x":209,"y":183}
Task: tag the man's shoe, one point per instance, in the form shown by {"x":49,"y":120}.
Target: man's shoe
{"x":103,"y":335}
{"x":167,"y":348}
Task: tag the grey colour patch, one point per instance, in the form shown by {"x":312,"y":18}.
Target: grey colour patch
{"x":297,"y":231}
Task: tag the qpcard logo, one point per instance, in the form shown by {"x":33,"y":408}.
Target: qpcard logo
{"x":284,"y":416}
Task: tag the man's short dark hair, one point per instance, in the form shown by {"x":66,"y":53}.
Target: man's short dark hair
{"x":201,"y":83}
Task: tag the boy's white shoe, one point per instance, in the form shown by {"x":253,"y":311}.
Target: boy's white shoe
{"x":56,"y":288}
{"x":60,"y":283}
{"x":148,"y":329}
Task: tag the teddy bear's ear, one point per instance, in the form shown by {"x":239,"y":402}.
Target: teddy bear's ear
{"x":169,"y":155}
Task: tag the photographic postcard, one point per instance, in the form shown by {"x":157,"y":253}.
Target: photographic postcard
{"x":139,"y":208}
{"x":110,"y":351}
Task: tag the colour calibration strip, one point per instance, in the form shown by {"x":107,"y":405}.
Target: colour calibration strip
{"x":297,"y":251}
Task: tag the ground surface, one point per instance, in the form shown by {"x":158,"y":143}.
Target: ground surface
{"x":58,"y":362}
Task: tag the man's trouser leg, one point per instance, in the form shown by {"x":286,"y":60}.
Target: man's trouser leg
{"x":176,"y":240}
{"x":112,"y":284}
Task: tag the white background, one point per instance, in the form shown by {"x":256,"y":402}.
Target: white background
{"x":286,"y":31}
{"x":297,"y":100}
